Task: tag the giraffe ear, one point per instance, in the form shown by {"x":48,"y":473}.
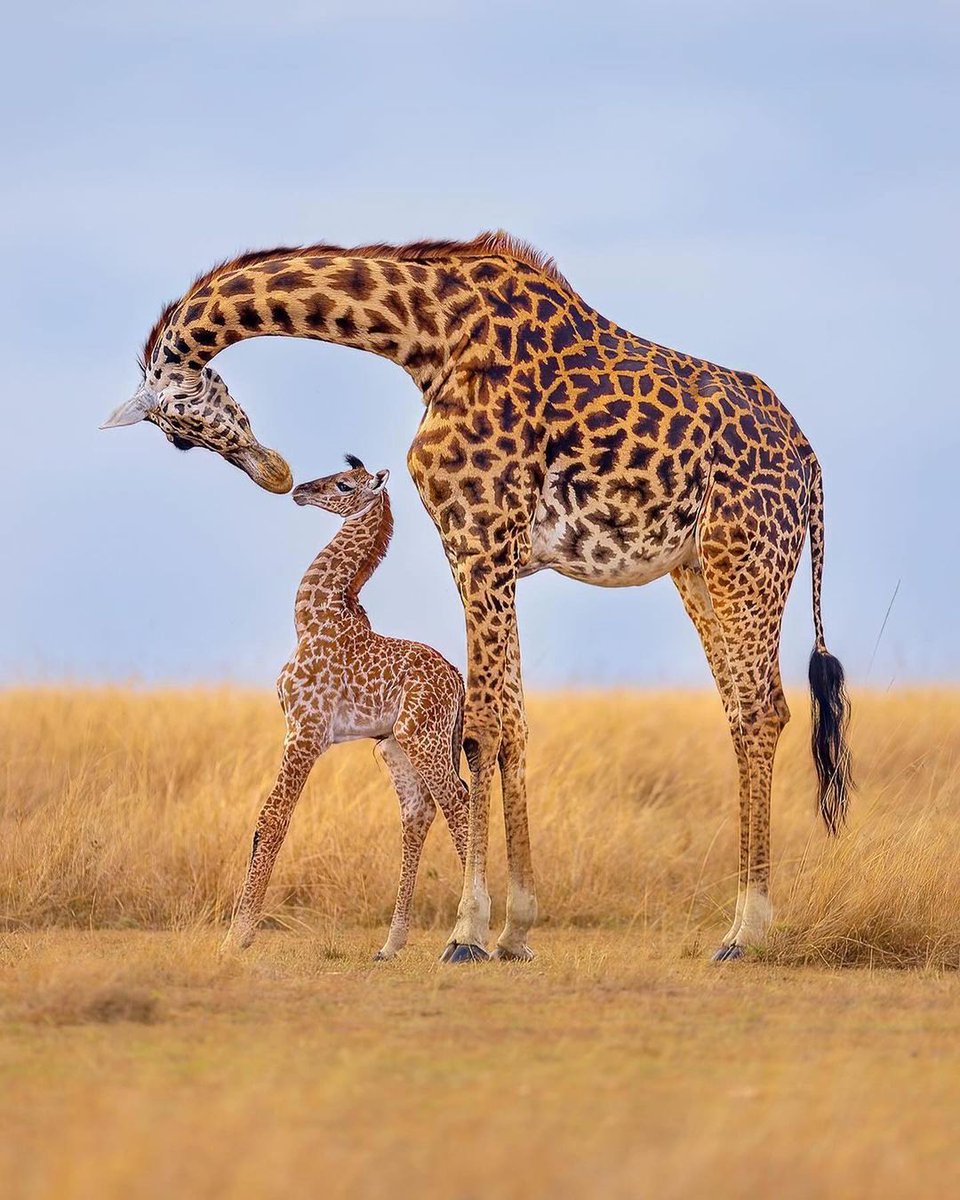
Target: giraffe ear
{"x":132,"y":410}
{"x":379,"y":480}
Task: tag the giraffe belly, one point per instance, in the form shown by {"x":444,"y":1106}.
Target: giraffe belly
{"x":368,"y":717}
{"x":606,"y":545}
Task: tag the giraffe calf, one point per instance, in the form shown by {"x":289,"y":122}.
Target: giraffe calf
{"x":344,"y":683}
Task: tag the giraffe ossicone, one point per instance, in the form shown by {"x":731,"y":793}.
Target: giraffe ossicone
{"x":551,"y":438}
{"x":346,"y":682}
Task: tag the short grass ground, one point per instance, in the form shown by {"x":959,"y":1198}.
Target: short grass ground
{"x":132,"y":1065}
{"x":620,"y":1063}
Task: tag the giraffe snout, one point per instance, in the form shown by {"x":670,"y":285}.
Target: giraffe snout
{"x":265,"y":467}
{"x":306,"y":493}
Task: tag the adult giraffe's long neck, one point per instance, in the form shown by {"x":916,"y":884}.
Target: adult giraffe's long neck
{"x":417,"y":313}
{"x":336,"y":576}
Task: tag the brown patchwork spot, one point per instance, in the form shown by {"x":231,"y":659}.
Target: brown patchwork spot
{"x":355,"y":280}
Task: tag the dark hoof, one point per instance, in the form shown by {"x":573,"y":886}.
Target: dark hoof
{"x":460,"y":952}
{"x":380,"y":957}
{"x":524,"y":954}
{"x":728,"y":953}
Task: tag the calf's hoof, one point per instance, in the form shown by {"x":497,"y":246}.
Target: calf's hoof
{"x":524,"y":954}
{"x":232,"y":945}
{"x":728,"y":953}
{"x":462,"y":952}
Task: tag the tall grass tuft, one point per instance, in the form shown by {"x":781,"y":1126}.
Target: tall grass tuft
{"x":124,"y":808}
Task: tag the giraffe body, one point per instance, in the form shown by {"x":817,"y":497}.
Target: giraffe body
{"x":551,"y":438}
{"x":345,"y":682}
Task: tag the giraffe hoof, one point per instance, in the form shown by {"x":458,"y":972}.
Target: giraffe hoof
{"x":728,"y":953}
{"x":381,"y":956}
{"x":524,"y":954}
{"x":461,"y":952}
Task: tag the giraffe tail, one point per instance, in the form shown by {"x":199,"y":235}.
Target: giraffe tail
{"x":830,"y":707}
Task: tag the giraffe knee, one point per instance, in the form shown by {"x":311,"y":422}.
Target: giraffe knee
{"x":482,"y":737}
{"x":764,"y":713}
{"x":271,"y":825}
{"x":417,"y":818}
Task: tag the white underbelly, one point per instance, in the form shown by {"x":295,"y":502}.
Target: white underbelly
{"x":354,"y":721}
{"x":581,"y":552}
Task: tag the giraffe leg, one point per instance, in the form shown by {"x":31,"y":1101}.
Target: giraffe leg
{"x":690,"y":584}
{"x":747,"y":570}
{"x":424,"y":730}
{"x":521,"y":890}
{"x":488,"y":603}
{"x":417,"y":811}
{"x":762,"y":717}
{"x":300,"y":751}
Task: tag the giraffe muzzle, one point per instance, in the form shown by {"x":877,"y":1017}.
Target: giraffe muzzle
{"x":305,"y":493}
{"x":266,"y":468}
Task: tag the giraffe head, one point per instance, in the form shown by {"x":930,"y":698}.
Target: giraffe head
{"x":197,"y":410}
{"x":348,"y":493}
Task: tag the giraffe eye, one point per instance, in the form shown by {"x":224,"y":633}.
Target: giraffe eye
{"x":344,"y":487}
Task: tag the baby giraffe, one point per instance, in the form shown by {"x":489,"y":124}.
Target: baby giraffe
{"x":345,"y":682}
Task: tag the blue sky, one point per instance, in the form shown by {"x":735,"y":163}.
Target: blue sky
{"x":774,"y":187}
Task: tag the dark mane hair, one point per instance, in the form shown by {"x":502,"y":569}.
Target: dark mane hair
{"x":490,"y":243}
{"x":374,"y":558}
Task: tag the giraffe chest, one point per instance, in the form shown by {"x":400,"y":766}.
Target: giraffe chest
{"x":611,"y":531}
{"x":345,"y":677}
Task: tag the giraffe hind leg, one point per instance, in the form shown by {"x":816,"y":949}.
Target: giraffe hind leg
{"x":425,"y":730}
{"x":690,"y":584}
{"x":747,"y":571}
{"x":417,"y":811}
{"x":737,"y":604}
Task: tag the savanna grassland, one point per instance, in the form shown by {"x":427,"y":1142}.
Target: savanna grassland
{"x":620,"y":1063}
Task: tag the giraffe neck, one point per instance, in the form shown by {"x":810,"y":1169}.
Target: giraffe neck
{"x":416,"y":313}
{"x":331,"y":587}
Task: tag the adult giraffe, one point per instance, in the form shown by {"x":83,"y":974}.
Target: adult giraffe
{"x":550,"y":438}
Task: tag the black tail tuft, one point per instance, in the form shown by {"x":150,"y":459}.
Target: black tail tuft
{"x":830,"y":711}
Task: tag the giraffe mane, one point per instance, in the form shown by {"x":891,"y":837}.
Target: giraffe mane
{"x":490,"y":242}
{"x":376,"y":556}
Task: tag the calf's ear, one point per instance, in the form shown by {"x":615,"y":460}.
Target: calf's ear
{"x":379,"y":480}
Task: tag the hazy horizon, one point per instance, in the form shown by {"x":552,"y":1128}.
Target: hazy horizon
{"x":775,"y":190}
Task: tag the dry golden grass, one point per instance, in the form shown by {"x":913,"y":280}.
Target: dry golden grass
{"x":619,"y":1064}
{"x":121,"y":809}
{"x":608,"y":1068}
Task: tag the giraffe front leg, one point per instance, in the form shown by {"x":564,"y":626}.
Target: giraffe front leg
{"x":417,"y":811}
{"x":300,"y":752}
{"x":489,"y":608}
{"x":521,"y":890}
